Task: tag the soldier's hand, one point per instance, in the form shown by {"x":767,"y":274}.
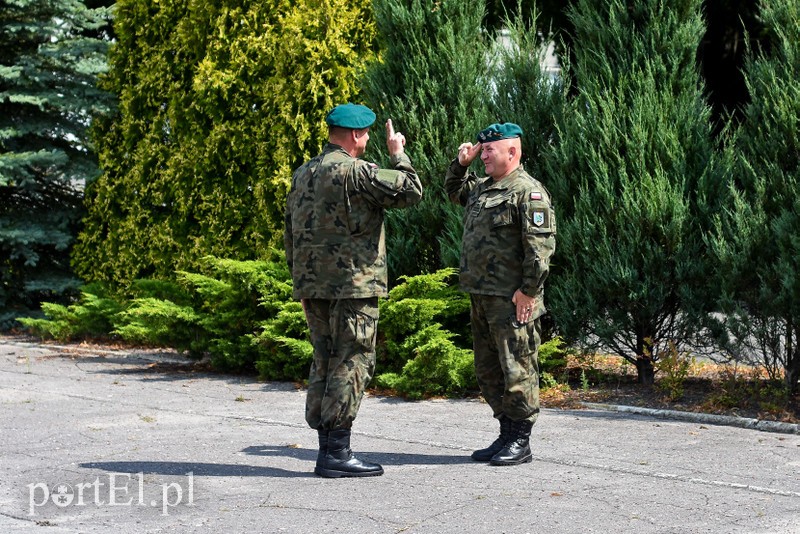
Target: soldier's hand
{"x":525,"y":305}
{"x":467,"y":152}
{"x":395,"y":141}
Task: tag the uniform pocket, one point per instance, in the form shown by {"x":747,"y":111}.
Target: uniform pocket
{"x":500,"y":211}
{"x":518,"y":338}
{"x":365,"y":331}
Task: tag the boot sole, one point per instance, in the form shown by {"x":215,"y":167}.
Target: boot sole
{"x":482,"y":458}
{"x":525,"y":460}
{"x":332,"y":473}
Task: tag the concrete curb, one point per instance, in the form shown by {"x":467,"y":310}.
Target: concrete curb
{"x":711,"y":419}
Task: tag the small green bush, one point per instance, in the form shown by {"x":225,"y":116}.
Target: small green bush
{"x":287,"y":352}
{"x":552,"y":361}
{"x":414,"y":304}
{"x":438,"y":367}
{"x":153,"y":321}
{"x":91,"y":316}
{"x":674,"y":369}
{"x":418,"y":354}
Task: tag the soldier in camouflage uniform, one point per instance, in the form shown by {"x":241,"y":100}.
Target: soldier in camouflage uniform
{"x":336,"y":250}
{"x":509,"y":237}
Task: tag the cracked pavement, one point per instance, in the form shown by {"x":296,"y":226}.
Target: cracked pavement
{"x":100,"y":441}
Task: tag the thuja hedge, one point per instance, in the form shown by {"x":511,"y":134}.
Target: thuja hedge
{"x":240,"y":315}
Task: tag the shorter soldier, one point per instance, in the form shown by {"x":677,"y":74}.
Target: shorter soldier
{"x":336,"y":250}
{"x":509,"y":236}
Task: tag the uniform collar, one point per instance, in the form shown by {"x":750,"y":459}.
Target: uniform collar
{"x":333,"y":147}
{"x":505,"y":183}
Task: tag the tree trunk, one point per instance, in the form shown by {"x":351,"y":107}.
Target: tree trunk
{"x":646,"y":371}
{"x":792,"y":372}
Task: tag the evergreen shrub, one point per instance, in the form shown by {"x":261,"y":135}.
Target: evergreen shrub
{"x":218,"y":101}
{"x":415,"y":304}
{"x":89,"y":317}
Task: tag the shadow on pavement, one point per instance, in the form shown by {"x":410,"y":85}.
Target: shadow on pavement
{"x":197,"y":469}
{"x":385,"y":458}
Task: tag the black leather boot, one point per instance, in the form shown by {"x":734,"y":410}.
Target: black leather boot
{"x":323,"y":446}
{"x":339,"y":461}
{"x":517,"y":449}
{"x":484,"y":455}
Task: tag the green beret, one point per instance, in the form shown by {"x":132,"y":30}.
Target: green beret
{"x":498,"y":131}
{"x":353,"y":116}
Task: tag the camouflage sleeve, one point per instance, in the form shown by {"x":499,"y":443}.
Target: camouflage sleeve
{"x":458,"y":184}
{"x":288,"y":241}
{"x":538,"y":243}
{"x":389,"y":188}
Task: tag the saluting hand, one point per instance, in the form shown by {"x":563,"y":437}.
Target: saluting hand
{"x":395,"y":141}
{"x":467,"y":152}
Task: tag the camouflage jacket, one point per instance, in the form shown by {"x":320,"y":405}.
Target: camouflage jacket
{"x":509,"y":233}
{"x":334,"y":236}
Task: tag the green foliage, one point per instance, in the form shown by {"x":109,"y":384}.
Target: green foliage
{"x":235,"y":298}
{"x":90,"y":317}
{"x":756,"y":237}
{"x":438,"y":367}
{"x":634,"y":181}
{"x":50,"y":55}
{"x":213,"y":313}
{"x":218,"y":101}
{"x":285,"y":340}
{"x":526,"y":93}
{"x":745,"y":388}
{"x":159,"y":322}
{"x":552,"y":361}
{"x":674,"y":369}
{"x":417,"y":354}
{"x":417,"y":303}
{"x":584,"y":380}
{"x":432,"y":81}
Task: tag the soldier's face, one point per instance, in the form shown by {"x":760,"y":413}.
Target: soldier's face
{"x":362,"y":137}
{"x":495,"y":158}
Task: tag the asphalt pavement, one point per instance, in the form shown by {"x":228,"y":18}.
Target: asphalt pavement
{"x":134,"y":442}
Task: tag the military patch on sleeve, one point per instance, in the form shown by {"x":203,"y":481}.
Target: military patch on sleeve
{"x":536,"y":195}
{"x":538,"y":217}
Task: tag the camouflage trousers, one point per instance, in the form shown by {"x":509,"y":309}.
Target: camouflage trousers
{"x":506,"y":357}
{"x":343,"y":333}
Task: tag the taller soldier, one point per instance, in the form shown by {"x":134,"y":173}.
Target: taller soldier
{"x":336,"y":250}
{"x":509,"y":237}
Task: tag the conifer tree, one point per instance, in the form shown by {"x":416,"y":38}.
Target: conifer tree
{"x":50,"y":55}
{"x":757,"y":238}
{"x":632,"y":177}
{"x":524,"y":92}
{"x":432,"y":80}
{"x":219,"y":101}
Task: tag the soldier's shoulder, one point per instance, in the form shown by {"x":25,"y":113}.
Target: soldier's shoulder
{"x":336,"y":163}
{"x":532,"y":189}
{"x":364,"y":168}
{"x":362,"y":163}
